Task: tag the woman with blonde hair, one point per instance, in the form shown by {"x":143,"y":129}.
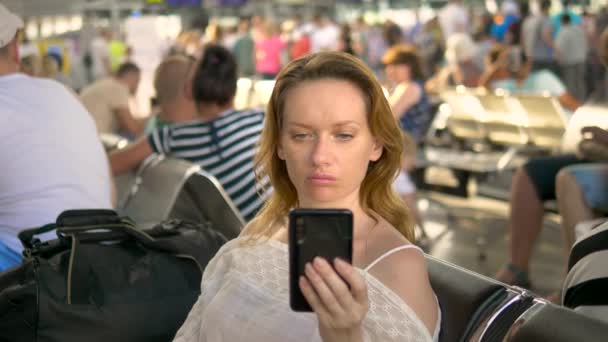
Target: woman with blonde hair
{"x":329,"y":141}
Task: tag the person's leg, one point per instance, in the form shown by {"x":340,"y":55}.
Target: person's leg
{"x":579,"y":82}
{"x":572,"y":205}
{"x":569,"y":78}
{"x":532,"y":184}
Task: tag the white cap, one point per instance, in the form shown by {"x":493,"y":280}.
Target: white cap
{"x":9,"y":24}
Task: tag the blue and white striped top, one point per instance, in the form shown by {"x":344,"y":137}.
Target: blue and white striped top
{"x":224,"y":147}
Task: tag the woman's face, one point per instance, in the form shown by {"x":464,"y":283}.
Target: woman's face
{"x":326,"y":143}
{"x":398,"y":72}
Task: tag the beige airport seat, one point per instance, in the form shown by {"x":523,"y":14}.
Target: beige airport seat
{"x":244,"y":88}
{"x":466,"y":117}
{"x":546,"y":121}
{"x":479,"y":117}
{"x":503,"y":125}
{"x":262,"y":90}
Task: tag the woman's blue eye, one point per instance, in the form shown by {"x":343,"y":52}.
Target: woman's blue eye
{"x":300,"y":136}
{"x":344,"y":136}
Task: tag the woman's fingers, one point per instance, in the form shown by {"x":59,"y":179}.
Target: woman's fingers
{"x":311,"y":296}
{"x":333,"y":281}
{"x":321,"y":288}
{"x":358,"y":288}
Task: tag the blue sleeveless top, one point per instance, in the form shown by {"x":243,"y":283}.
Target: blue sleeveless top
{"x":417,"y":119}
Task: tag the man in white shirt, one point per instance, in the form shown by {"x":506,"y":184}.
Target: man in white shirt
{"x":100,"y":55}
{"x":454,"y":18}
{"x":51,"y":157}
{"x":324,"y":36}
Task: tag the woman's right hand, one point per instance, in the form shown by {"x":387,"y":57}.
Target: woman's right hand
{"x":340,"y":310}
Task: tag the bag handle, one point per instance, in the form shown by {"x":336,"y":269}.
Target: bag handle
{"x":69,"y":218}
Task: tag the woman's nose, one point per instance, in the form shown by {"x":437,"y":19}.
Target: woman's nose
{"x":321,"y":153}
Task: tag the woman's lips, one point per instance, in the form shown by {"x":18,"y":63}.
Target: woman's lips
{"x":321,"y":179}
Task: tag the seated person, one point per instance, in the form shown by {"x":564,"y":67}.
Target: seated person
{"x":334,"y":152}
{"x":221,"y":140}
{"x":408,"y":99}
{"x":510,"y":69}
{"x":107,"y":100}
{"x":582,"y":190}
{"x":170,"y":79}
{"x":462,"y":67}
{"x":51,"y":157}
{"x":531,"y":185}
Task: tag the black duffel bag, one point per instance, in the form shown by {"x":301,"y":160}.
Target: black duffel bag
{"x":104,"y":280}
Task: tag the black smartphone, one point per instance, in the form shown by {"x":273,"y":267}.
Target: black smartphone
{"x":326,"y":233}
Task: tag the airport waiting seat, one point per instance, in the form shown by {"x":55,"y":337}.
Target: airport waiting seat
{"x":166,"y":188}
{"x":545,"y":120}
{"x":557,"y":324}
{"x":465,"y":298}
{"x":504,"y":126}
{"x":262,"y":91}
{"x":244,"y":89}
{"x":477,"y":308}
{"x":466,"y":117}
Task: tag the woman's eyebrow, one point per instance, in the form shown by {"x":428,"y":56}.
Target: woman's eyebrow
{"x":337,"y":124}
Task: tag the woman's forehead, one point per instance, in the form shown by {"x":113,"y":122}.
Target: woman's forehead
{"x":325,"y":101}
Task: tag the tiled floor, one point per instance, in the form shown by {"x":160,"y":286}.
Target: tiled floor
{"x":461,"y":230}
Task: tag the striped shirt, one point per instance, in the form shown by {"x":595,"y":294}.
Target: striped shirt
{"x":224,"y":147}
{"x":585,"y":285}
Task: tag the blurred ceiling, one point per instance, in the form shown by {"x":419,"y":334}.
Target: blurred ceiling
{"x":61,"y":7}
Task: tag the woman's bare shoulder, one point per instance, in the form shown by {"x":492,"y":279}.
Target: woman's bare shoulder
{"x":383,"y":238}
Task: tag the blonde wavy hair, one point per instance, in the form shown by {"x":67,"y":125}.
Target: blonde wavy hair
{"x":376,"y":191}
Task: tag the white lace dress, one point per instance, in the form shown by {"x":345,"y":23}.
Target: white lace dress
{"x":245,"y":297}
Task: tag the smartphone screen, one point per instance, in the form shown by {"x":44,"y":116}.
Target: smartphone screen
{"x":326,"y":233}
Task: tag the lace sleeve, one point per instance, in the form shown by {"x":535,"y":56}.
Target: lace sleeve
{"x":212,"y":280}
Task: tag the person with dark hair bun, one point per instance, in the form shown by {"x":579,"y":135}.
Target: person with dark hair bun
{"x":216,"y":76}
{"x":221,"y":139}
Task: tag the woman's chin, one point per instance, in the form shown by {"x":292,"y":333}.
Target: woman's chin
{"x":321,"y":200}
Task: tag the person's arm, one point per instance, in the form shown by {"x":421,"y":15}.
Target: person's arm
{"x":492,"y":68}
{"x":113,"y":190}
{"x":129,"y":157}
{"x":487,"y":77}
{"x":569,"y":102}
{"x":558,"y":46}
{"x":403,"y":98}
{"x":128,"y":123}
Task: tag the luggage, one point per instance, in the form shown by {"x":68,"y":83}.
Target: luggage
{"x":104,"y":280}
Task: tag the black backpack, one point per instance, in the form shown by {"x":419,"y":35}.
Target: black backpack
{"x":102,"y":279}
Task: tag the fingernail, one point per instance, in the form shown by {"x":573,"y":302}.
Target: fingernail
{"x":318,"y":261}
